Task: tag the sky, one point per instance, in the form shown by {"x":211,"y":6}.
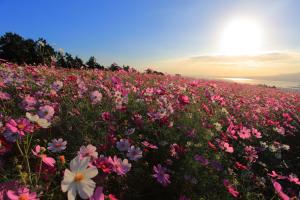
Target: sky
{"x":173,"y":36}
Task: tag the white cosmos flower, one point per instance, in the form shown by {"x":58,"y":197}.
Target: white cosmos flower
{"x":35,"y":118}
{"x":78,"y":179}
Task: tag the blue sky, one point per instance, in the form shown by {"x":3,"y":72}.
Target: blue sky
{"x":147,"y":33}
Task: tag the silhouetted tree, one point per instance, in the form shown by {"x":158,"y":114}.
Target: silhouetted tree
{"x":44,"y":51}
{"x":78,"y":63}
{"x":114,"y":67}
{"x":14,"y":48}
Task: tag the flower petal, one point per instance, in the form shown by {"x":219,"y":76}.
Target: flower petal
{"x":90,"y":172}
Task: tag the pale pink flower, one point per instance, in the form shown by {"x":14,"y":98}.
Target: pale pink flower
{"x":134,"y":153}
{"x":95,"y":97}
{"x":57,"y":145}
{"x":39,"y":152}
{"x":244,"y":133}
{"x":28,"y":103}
{"x":57,"y":85}
{"x":46,"y":112}
{"x":88,"y":151}
{"x":256,"y":133}
{"x":228,"y":148}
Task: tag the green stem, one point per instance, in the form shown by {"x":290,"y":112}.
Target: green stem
{"x":18,"y":145}
{"x":39,"y":174}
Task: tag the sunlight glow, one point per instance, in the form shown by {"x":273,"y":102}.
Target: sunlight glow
{"x":241,"y":36}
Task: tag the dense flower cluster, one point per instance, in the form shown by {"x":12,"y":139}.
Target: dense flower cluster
{"x":130,"y":135}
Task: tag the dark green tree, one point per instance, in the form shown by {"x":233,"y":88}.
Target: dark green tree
{"x":92,"y":64}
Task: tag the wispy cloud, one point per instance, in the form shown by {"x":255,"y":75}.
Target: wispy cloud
{"x":263,"y":57}
{"x":263,"y":64}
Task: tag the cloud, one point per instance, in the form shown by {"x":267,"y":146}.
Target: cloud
{"x":263,"y":57}
{"x":263,"y":64}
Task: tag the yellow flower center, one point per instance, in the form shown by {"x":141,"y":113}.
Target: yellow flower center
{"x":78,"y":177}
{"x":21,"y":126}
{"x":23,"y":197}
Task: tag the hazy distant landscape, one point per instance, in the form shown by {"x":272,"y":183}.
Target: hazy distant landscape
{"x":280,"y":82}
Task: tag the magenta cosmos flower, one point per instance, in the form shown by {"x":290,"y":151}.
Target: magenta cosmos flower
{"x":22,"y":193}
{"x":161,"y":175}
{"x":19,"y":126}
{"x":183,"y":99}
{"x":230,"y":188}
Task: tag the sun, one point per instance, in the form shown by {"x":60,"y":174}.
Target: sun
{"x":241,"y":36}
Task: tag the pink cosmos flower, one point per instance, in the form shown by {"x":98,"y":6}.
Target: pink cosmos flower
{"x":88,"y":151}
{"x":244,"y":133}
{"x":294,"y":179}
{"x":279,"y":191}
{"x":119,"y":166}
{"x":39,"y":152}
{"x":19,"y":126}
{"x":251,"y":153}
{"x":28,"y":103}
{"x":95,"y":97}
{"x":161,"y":175}
{"x":105,"y":164}
{"x":230,"y":188}
{"x":46,"y":112}
{"x":176,"y":150}
{"x":228,"y":148}
{"x":4,"y":96}
{"x":183,"y":99}
{"x":147,"y":144}
{"x":256,"y":133}
{"x":240,"y":166}
{"x":106,"y":116}
{"x":276,"y":176}
{"x":57,"y":85}
{"x":22,"y":193}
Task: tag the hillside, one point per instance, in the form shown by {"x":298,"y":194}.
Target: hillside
{"x":132,"y":135}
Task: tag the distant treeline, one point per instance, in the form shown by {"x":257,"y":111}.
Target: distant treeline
{"x":14,"y":48}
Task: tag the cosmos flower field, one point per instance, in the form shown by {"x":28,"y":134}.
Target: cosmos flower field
{"x":90,"y":134}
